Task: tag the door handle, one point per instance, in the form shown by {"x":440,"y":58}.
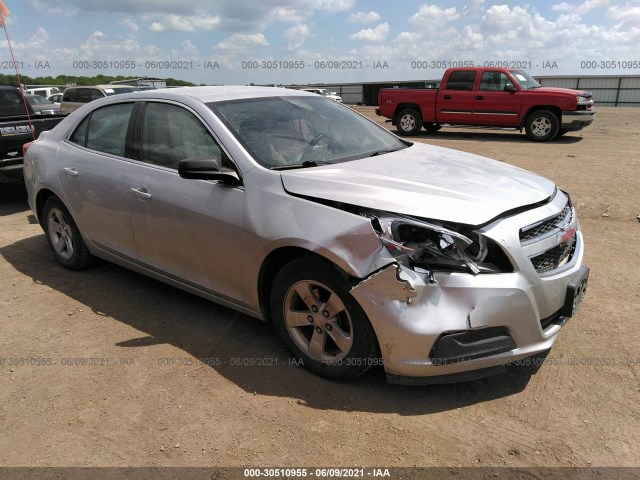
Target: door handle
{"x":141,"y":193}
{"x":447,"y":97}
{"x":479,"y":97}
{"x":71,"y":171}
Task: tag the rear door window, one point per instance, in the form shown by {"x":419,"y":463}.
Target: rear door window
{"x":105,"y":129}
{"x":461,"y":80}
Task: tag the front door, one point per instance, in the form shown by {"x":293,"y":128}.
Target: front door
{"x":189,"y":230}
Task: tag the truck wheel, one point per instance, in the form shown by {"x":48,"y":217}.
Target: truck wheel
{"x":431,"y":127}
{"x":409,"y":122}
{"x":541,"y":126}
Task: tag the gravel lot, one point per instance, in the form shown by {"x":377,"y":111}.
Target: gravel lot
{"x":100,"y":368}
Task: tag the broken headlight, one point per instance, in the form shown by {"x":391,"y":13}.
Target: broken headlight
{"x":425,"y":246}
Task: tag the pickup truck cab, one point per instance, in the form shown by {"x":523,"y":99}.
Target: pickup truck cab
{"x":491,"y":97}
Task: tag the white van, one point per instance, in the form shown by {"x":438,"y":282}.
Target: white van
{"x":43,"y":91}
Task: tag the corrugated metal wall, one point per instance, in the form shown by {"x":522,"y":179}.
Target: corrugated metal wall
{"x":608,"y":91}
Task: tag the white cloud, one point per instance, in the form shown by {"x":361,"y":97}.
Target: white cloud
{"x":376,"y":34}
{"x":432,"y":14}
{"x":242,"y":41}
{"x":297,"y":35}
{"x":592,"y":4}
{"x":362,"y":17}
{"x":178,"y":23}
{"x":130,"y":24}
{"x":563,"y":7}
{"x":331,"y":5}
{"x":473,"y":7}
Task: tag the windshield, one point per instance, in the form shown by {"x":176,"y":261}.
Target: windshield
{"x":526,"y":81}
{"x":38,"y":100}
{"x":292,"y":131}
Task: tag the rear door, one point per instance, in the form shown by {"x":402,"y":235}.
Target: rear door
{"x":456,"y":97}
{"x":189,"y":230}
{"x":493,"y":105}
{"x":93,"y":162}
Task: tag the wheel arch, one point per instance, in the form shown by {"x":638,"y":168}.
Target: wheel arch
{"x":403,"y":106}
{"x":41,"y":198}
{"x":557,"y":111}
{"x":274,"y":262}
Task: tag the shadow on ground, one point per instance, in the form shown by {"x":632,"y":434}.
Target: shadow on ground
{"x":13,"y":198}
{"x":203,"y":330}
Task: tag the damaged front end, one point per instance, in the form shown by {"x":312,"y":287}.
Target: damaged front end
{"x":426,"y":247}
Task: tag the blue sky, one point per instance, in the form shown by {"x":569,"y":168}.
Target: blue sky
{"x":319,"y":41}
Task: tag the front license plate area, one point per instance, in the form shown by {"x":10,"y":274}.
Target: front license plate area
{"x":575,"y":293}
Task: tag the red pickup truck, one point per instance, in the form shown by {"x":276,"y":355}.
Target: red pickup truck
{"x":492,"y":97}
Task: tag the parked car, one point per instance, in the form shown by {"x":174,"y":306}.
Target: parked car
{"x":75,"y":97}
{"x":362,"y":248}
{"x":19,"y":124}
{"x":42,"y":106}
{"x":490,"y":97}
{"x":325,"y":93}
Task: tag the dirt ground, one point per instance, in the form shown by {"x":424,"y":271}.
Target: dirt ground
{"x":99,"y":368}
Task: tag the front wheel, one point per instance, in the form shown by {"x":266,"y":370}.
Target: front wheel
{"x":541,"y":126}
{"x":320,"y":322}
{"x":63,"y":236}
{"x":409,"y":122}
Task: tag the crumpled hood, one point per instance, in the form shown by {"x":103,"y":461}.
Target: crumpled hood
{"x":425,"y":181}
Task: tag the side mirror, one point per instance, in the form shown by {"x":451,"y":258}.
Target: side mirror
{"x":509,"y":87}
{"x":206,"y":168}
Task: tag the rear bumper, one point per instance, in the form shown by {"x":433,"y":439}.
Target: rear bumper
{"x":577,"y":120}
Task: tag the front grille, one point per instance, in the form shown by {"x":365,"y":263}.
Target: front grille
{"x":558,"y":224}
{"x":544,"y":227}
{"x":553,"y":258}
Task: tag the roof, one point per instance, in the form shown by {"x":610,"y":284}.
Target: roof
{"x":220,"y":93}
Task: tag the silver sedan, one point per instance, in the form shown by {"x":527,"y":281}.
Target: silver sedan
{"x":362,"y":248}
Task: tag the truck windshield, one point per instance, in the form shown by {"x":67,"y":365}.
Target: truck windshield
{"x":526,"y":81}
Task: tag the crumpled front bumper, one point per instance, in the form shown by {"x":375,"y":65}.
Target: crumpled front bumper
{"x":467,"y":326}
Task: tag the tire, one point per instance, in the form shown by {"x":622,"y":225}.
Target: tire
{"x":431,"y":127}
{"x":408,"y":122}
{"x":542,"y":126}
{"x":63,"y":236}
{"x":327,"y":330}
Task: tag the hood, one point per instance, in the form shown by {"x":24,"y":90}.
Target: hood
{"x":424,"y":181}
{"x":566,"y":91}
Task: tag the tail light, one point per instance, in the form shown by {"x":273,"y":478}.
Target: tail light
{"x":25,"y":147}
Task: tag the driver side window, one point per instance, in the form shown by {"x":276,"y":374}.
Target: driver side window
{"x":170,"y":134}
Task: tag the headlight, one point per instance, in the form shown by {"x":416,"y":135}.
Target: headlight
{"x":584,"y":100}
{"x":425,"y":246}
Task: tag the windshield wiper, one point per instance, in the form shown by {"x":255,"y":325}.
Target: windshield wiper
{"x":305,"y":164}
{"x":382,"y":152}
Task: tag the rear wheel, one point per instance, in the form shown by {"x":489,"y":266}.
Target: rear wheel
{"x":409,"y":122}
{"x":320,"y":322}
{"x":63,"y":236}
{"x":541,"y":126}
